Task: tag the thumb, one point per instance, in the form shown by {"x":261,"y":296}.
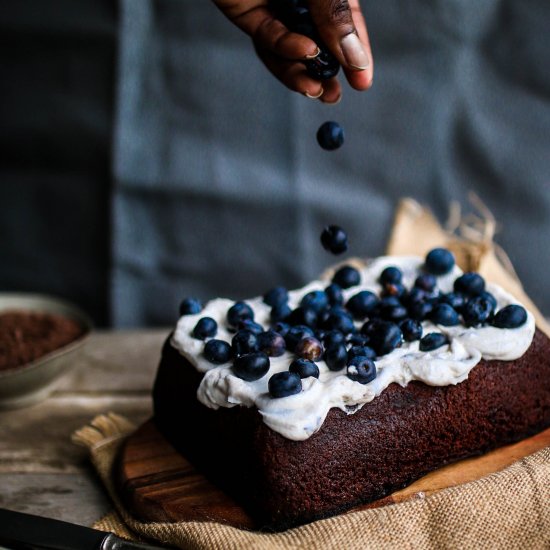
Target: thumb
{"x":334,"y":22}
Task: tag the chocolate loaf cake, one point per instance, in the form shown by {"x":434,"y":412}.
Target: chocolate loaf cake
{"x":408,"y":404}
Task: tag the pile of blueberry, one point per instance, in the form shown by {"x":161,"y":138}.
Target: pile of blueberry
{"x":323,"y":326}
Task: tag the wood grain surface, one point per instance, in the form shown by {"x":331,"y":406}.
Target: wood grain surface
{"x":159,"y":484}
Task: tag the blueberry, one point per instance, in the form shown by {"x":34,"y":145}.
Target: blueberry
{"x":334,"y":239}
{"x":217,"y":351}
{"x":477,"y":311}
{"x":362,"y":370}
{"x":420,"y":310}
{"x":283,"y":384}
{"x":206,"y":327}
{"x":415,"y":295}
{"x":271,"y":343}
{"x":190,"y":306}
{"x":281,"y":328}
{"x":393,"y":313}
{"x":357,"y":339}
{"x":316,"y":300}
{"x":336,"y":357}
{"x":391,"y":275}
{"x":362,"y":303}
{"x":309,"y":348}
{"x":334,"y":294}
{"x":444,"y":314}
{"x":439,"y":261}
{"x":361,"y":351}
{"x":295,"y":334}
{"x":346,"y":277}
{"x":244,"y":342}
{"x":455,"y":299}
{"x":250,"y":325}
{"x":276,"y":296}
{"x":411,"y":329}
{"x":512,"y":316}
{"x":238,"y":312}
{"x":470,"y":284}
{"x":323,"y":67}
{"x":389,"y":301}
{"x":384,"y":337}
{"x":426,"y":282}
{"x":280,"y":312}
{"x":304,"y":368}
{"x":303,"y":316}
{"x":394,"y":289}
{"x":490,"y":298}
{"x":252,"y":366}
{"x":340,"y":321}
{"x":433,"y":340}
{"x":333,"y":337}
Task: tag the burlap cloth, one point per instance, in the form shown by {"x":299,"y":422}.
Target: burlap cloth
{"x":508,"y":509}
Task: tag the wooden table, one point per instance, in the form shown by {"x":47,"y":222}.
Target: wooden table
{"x":41,"y":471}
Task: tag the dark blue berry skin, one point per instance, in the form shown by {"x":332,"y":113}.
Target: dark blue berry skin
{"x":303,"y":316}
{"x":411,"y":329}
{"x":362,"y":303}
{"x":415,"y":296}
{"x":333,"y":337}
{"x":309,"y":348}
{"x":385,"y":337}
{"x":206,"y":327}
{"x":477,"y":311}
{"x":471,"y":284}
{"x":295,"y":334}
{"x":316,"y":300}
{"x":284,"y":384}
{"x":394,"y":289}
{"x":362,"y":370}
{"x":357,"y":339}
{"x":361,"y":351}
{"x":420,"y":311}
{"x":490,"y":298}
{"x":334,"y":294}
{"x":281,"y":328}
{"x":276,"y":296}
{"x":252,"y":366}
{"x":433,"y":340}
{"x":190,"y":306}
{"x":280,"y":312}
{"x":336,"y":357}
{"x":238,"y":312}
{"x":322,"y":67}
{"x":334,"y":239}
{"x":346,"y":277}
{"x":217,"y":352}
{"x":426,"y":282}
{"x":512,"y":316}
{"x":271,"y":343}
{"x":444,"y":314}
{"x":244,"y":342}
{"x":393,"y":313}
{"x":340,"y":321}
{"x":250,"y":325}
{"x":330,"y":135}
{"x":391,"y":276}
{"x":455,"y":299}
{"x":439,"y":261}
{"x":304,"y":368}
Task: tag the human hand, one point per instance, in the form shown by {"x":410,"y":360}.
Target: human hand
{"x":340,"y":24}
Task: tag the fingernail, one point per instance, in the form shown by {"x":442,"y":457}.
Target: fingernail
{"x":335,"y":102}
{"x":315,"y":96}
{"x":314,"y":55}
{"x":354,"y":52}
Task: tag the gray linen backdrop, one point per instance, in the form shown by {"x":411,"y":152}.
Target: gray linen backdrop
{"x":219,"y":186}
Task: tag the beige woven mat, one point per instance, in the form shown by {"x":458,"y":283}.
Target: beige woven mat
{"x":509,"y":509}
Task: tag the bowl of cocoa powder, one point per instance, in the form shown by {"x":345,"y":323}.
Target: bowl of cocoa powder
{"x":40,"y":338}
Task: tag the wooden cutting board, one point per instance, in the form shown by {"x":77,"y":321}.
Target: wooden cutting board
{"x":159,"y":484}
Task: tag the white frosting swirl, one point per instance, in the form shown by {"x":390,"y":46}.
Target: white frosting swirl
{"x":299,"y":416}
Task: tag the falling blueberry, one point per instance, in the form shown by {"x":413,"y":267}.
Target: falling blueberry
{"x":334,"y":239}
{"x":433,"y":340}
{"x":217,"y":351}
{"x":439,"y":261}
{"x":304,"y":368}
{"x":512,"y":316}
{"x":330,"y":136}
{"x":190,"y":306}
{"x":362,"y":370}
{"x":252,"y":366}
{"x":284,"y":384}
{"x":206,"y":327}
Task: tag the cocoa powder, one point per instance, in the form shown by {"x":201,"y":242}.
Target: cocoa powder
{"x":28,"y":335}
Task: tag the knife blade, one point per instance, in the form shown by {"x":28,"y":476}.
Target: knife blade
{"x":20,"y":531}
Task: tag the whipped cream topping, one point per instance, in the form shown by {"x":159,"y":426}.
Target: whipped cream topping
{"x":299,"y":416}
